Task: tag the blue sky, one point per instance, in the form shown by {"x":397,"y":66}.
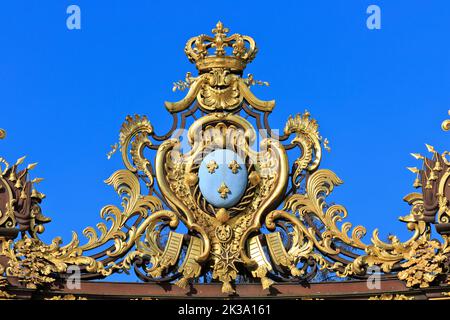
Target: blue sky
{"x":377,"y":94}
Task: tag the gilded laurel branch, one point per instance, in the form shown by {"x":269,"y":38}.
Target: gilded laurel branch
{"x":33,"y":262}
{"x":297,"y":208}
{"x":424,"y":263}
{"x":218,"y":90}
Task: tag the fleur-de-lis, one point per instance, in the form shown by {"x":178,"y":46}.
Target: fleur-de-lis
{"x":223,"y":190}
{"x":234,"y":166}
{"x":212,"y":166}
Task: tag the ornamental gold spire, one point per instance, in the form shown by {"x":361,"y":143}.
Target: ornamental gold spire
{"x":209,"y":52}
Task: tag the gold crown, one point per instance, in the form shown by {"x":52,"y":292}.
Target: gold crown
{"x":199,"y":50}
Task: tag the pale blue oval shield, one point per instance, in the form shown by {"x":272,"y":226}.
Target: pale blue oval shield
{"x":222,"y":178}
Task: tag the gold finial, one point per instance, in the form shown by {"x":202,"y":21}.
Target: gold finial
{"x":2,"y":134}
{"x":198,"y":50}
{"x":417,"y":183}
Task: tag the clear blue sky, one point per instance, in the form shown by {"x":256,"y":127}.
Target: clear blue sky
{"x":377,"y":94}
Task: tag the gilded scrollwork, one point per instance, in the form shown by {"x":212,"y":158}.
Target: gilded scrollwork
{"x":225,"y":229}
{"x":219,"y":90}
{"x":280,"y":227}
{"x":36,"y":264}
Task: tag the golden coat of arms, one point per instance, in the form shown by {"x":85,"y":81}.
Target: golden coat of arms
{"x":224,"y":196}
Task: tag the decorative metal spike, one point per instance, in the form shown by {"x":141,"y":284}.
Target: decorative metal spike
{"x":31,"y":166}
{"x":417,"y":156}
{"x":37,"y":180}
{"x":413,"y":169}
{"x":20,"y":160}
{"x":12,"y":175}
{"x":430,"y":148}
